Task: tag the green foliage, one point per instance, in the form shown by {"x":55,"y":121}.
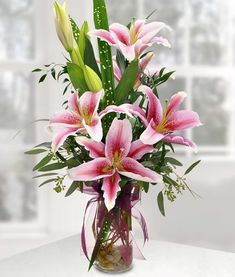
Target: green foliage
{"x":192,"y":167}
{"x":105,"y":54}
{"x":77,"y":77}
{"x":35,"y":151}
{"x":126,"y":83}
{"x":74,"y":186}
{"x":43,"y":162}
{"x":160,"y":202}
{"x":104,"y":230}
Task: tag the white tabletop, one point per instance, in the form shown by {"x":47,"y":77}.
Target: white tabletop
{"x":63,"y":259}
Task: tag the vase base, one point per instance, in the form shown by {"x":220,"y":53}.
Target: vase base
{"x":114,"y":270}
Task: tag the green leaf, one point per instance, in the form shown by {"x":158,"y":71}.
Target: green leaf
{"x":44,"y":144}
{"x":82,"y":38}
{"x":53,"y":166}
{"x":76,"y":31}
{"x":73,"y":162}
{"x":45,"y":175}
{"x":144,"y":185}
{"x":121,"y":61}
{"x":164,"y":78}
{"x":192,"y":167}
{"x":77,"y":77}
{"x":42,"y":78}
{"x":160,"y":201}
{"x":170,"y":181}
{"x":89,"y":58}
{"x":105,"y":54}
{"x":37,"y":70}
{"x":46,"y":182}
{"x":104,"y":230}
{"x":126,"y":83}
{"x":43,"y":162}
{"x":173,"y":161}
{"x":75,"y":185}
{"x":53,"y":73}
{"x":35,"y":151}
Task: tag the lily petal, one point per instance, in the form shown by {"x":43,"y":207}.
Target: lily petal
{"x":181,"y":120}
{"x":180,"y":140}
{"x":139,"y":149}
{"x":103,"y":35}
{"x":115,"y":109}
{"x":136,"y":171}
{"x":95,"y":148}
{"x":73,"y":103}
{"x":150,"y":30}
{"x":121,"y":33}
{"x":154,"y":107}
{"x":128,"y":51}
{"x":66,"y":119}
{"x":93,"y":170}
{"x":161,"y":41}
{"x":118,"y":139}
{"x":116,"y":70}
{"x":60,"y":137}
{"x":89,"y":102}
{"x":94,"y":129}
{"x":111,"y":187}
{"x":150,"y":135}
{"x":175,"y":102}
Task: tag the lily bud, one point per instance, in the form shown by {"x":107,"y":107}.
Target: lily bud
{"x":63,"y":26}
{"x":92,"y":79}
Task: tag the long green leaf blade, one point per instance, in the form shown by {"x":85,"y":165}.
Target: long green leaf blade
{"x":160,"y":201}
{"x":126,"y":83}
{"x":105,"y":54}
{"x":192,"y":167}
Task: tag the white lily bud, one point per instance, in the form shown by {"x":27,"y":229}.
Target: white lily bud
{"x":63,"y":26}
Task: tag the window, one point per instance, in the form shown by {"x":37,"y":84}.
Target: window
{"x":18,"y":54}
{"x":203,"y":55}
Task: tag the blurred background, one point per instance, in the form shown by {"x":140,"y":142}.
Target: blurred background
{"x":203,"y":54}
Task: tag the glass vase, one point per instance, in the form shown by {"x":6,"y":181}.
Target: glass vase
{"x":113,"y":229}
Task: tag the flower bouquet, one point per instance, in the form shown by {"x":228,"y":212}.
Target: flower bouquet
{"x":113,"y":138}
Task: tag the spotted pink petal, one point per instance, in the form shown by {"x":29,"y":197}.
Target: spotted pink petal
{"x":180,"y":140}
{"x":111,"y":187}
{"x":121,"y":33}
{"x":93,"y":170}
{"x":60,"y":137}
{"x":150,"y":30}
{"x":118,"y":139}
{"x":175,"y":102}
{"x":103,"y":35}
{"x":135,"y":110}
{"x":73,"y":103}
{"x":150,"y":136}
{"x":89,"y":102}
{"x":94,"y":129}
{"x":181,"y":120}
{"x":154,"y":107}
{"x":95,"y":148}
{"x":66,"y":119}
{"x":161,"y":41}
{"x":134,"y":170}
{"x":139,"y":149}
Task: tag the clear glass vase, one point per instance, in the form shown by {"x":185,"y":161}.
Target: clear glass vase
{"x":115,"y":252}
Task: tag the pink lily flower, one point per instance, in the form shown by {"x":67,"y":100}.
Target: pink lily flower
{"x":160,"y":124}
{"x":81,"y":117}
{"x":134,"y":41}
{"x":117,"y":157}
{"x":143,"y":63}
